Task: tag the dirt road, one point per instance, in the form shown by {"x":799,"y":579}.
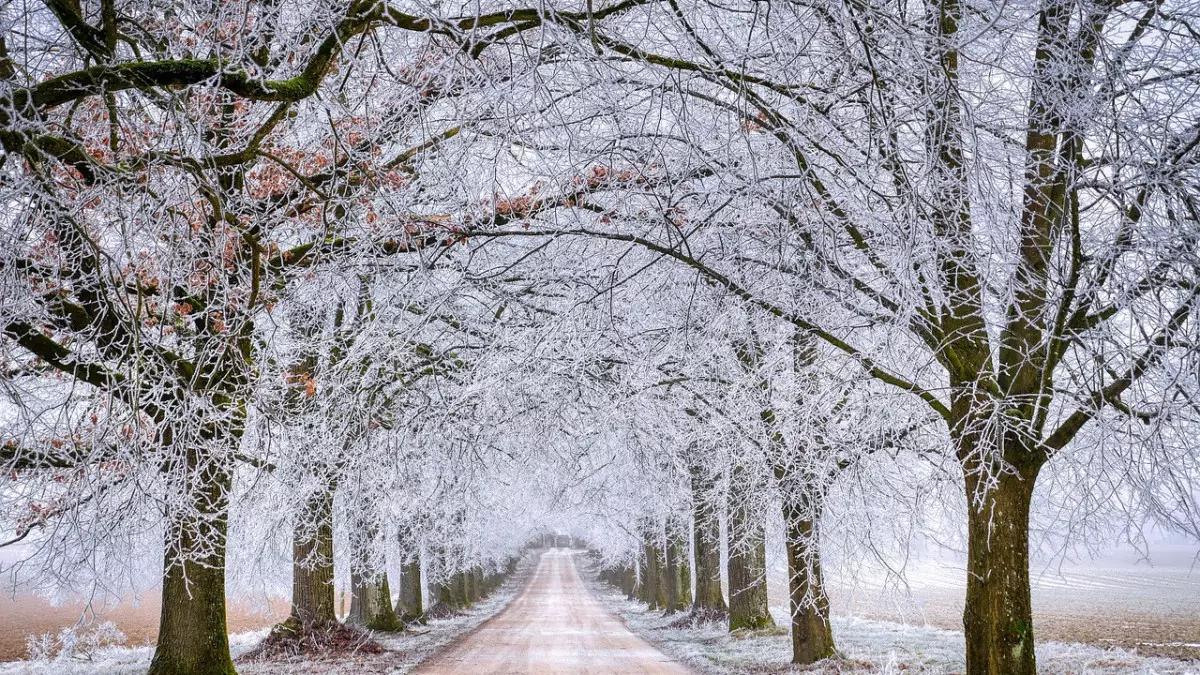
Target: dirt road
{"x":553,"y":626}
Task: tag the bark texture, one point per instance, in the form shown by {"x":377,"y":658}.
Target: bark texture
{"x":652,"y":592}
{"x":445,"y":595}
{"x":470,"y":590}
{"x":812,"y":634}
{"x":312,"y":563}
{"x":410,"y":607}
{"x":677,"y":577}
{"x":706,"y":534}
{"x":370,"y":593}
{"x":672,"y":589}
{"x":998,"y":617}
{"x":747,"y":564}
{"x":193,"y":638}
{"x":451,"y":592}
{"x":371,"y":602}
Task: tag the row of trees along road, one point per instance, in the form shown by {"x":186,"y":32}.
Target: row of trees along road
{"x":173,"y":172}
{"x":399,"y":264}
{"x":994,"y":212}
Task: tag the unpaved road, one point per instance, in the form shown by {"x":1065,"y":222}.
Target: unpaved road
{"x":553,"y":626}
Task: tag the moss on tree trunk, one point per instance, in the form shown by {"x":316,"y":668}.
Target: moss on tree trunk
{"x":652,"y":593}
{"x":450,"y":592}
{"x":371,"y":602}
{"x":676,"y":578}
{"x":672,"y":599}
{"x":706,"y":535}
{"x":466,"y":582}
{"x":443,"y":594}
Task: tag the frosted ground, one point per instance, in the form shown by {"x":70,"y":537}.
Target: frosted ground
{"x":403,"y":652}
{"x":1119,"y":599}
{"x":867,"y":646}
{"x":892,"y":630}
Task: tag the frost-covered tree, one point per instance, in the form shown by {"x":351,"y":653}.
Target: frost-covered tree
{"x":170,"y":171}
{"x":994,"y":211}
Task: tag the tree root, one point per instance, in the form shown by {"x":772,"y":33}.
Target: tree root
{"x":444,"y":611}
{"x":699,"y":617}
{"x":324,"y":639}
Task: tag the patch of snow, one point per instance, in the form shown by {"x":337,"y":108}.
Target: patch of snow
{"x":867,"y":647}
{"x":404,"y":651}
{"x":115,"y":659}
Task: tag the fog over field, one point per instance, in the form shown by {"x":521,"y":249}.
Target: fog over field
{"x":1119,"y":599}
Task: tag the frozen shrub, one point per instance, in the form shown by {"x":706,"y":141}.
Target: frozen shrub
{"x":40,"y":647}
{"x":74,"y":643}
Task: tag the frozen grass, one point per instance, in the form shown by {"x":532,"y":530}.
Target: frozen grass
{"x":866,"y":646}
{"x":114,"y":659}
{"x":403,"y":651}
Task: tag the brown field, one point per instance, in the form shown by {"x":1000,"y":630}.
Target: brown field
{"x":30,"y":615}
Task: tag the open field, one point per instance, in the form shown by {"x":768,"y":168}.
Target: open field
{"x":31,"y":615}
{"x":1114,"y":601}
{"x":547,"y":620}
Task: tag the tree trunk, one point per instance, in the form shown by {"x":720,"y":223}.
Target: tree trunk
{"x":685,"y":577}
{"x":478,"y":585}
{"x":747,"y":569}
{"x":998,"y":618}
{"x":445,"y":595}
{"x":458,"y":590}
{"x":652,"y":576}
{"x":812,"y":634}
{"x":467,"y":583}
{"x":706,"y":532}
{"x":370,"y":596}
{"x":312,"y":563}
{"x":629,"y":582}
{"x":672,"y":599}
{"x":678,"y":577}
{"x":410,"y":607}
{"x":193,"y":638}
{"x":448,"y":592}
{"x":371,"y":602}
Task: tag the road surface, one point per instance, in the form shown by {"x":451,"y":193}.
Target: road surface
{"x":553,"y":626}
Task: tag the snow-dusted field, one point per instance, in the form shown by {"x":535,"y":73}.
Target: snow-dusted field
{"x":866,"y":646}
{"x":114,"y":660}
{"x":403,"y":651}
{"x":1116,"y":600}
{"x":910,"y":628}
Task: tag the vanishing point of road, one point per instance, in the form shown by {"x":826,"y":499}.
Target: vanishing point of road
{"x":554,"y":626}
